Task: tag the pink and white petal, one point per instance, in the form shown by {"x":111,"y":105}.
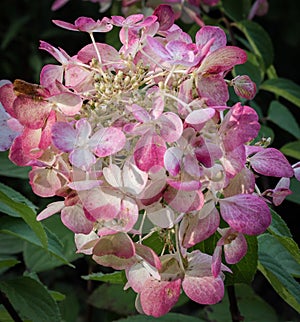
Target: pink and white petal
{"x":205,"y":290}
{"x":191,"y":185}
{"x":198,"y":118}
{"x":247,"y":214}
{"x":148,"y":255}
{"x":107,"y":141}
{"x":128,"y":214}
{"x":184,"y":201}
{"x":64,"y":136}
{"x":59,"y":54}
{"x":158,"y":297}
{"x":68,"y":103}
{"x":199,"y":227}
{"x":271,"y":162}
{"x":134,"y":179}
{"x":172,"y":160}
{"x":85,"y":242}
{"x":171,"y":127}
{"x":74,"y":218}
{"x":52,"y":208}
{"x":112,"y":175}
{"x":235,"y":250}
{"x":140,"y":114}
{"x":82,"y":158}
{"x":65,"y":25}
{"x":49,"y":75}
{"x":137,"y":275}
{"x":44,"y":182}
{"x":161,"y":216}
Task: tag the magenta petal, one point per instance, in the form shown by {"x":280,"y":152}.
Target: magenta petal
{"x":271,"y":162}
{"x":158,"y":297}
{"x":247,"y":214}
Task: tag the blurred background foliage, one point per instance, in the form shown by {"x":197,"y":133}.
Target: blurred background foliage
{"x":22,"y":24}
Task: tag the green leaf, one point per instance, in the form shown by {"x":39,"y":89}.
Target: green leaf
{"x":282,"y":117}
{"x":15,"y":196}
{"x":6,"y":262}
{"x":10,"y":244}
{"x":295,"y":187}
{"x":170,"y":317}
{"x":31,"y":299}
{"x":259,"y":40}
{"x":113,"y":298}
{"x":57,"y":296}
{"x":18,"y":228}
{"x":278,"y":226}
{"x":28,"y":215}
{"x":244,"y":270}
{"x":277,"y":264}
{"x":236,"y":10}
{"x":9,"y":169}
{"x":283,"y":87}
{"x":251,"y":306}
{"x":37,"y":260}
{"x":292,"y":149}
{"x":113,"y":278}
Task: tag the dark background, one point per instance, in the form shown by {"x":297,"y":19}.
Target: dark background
{"x":24,"y":22}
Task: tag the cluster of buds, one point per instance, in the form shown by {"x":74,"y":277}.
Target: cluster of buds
{"x":139,"y":141}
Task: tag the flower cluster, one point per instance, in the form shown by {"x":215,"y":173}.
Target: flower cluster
{"x":140,"y":141}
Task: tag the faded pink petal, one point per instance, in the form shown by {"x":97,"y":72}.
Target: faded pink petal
{"x":184,"y":201}
{"x":52,"y":208}
{"x":271,"y":162}
{"x":198,"y":118}
{"x":68,"y":103}
{"x":206,"y":33}
{"x":236,"y":249}
{"x":107,"y":141}
{"x":158,"y":297}
{"x":206,"y":290}
{"x":64,"y":136}
{"x":172,"y":160}
{"x":170,"y":127}
{"x":247,"y":214}
{"x":74,"y":218}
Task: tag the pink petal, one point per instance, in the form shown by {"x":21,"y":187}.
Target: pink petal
{"x":64,"y":136}
{"x":179,"y":184}
{"x":239,"y":126}
{"x":31,"y":112}
{"x":107,"y":141}
{"x":244,"y":87}
{"x":7,"y":98}
{"x":200,"y":117}
{"x":171,"y":127}
{"x":247,"y":214}
{"x":236,"y":249}
{"x":149,"y":152}
{"x":223,"y":59}
{"x":271,"y":162}
{"x":68,"y":103}
{"x":74,"y":218}
{"x":172,"y":160}
{"x":184,"y":201}
{"x":119,"y":245}
{"x":206,"y":33}
{"x":52,"y":208}
{"x":165,"y":16}
{"x":65,"y":25}
{"x":206,"y":290}
{"x":158,"y":297}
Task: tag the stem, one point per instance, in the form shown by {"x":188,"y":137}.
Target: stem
{"x":10,"y":309}
{"x":233,"y":305}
